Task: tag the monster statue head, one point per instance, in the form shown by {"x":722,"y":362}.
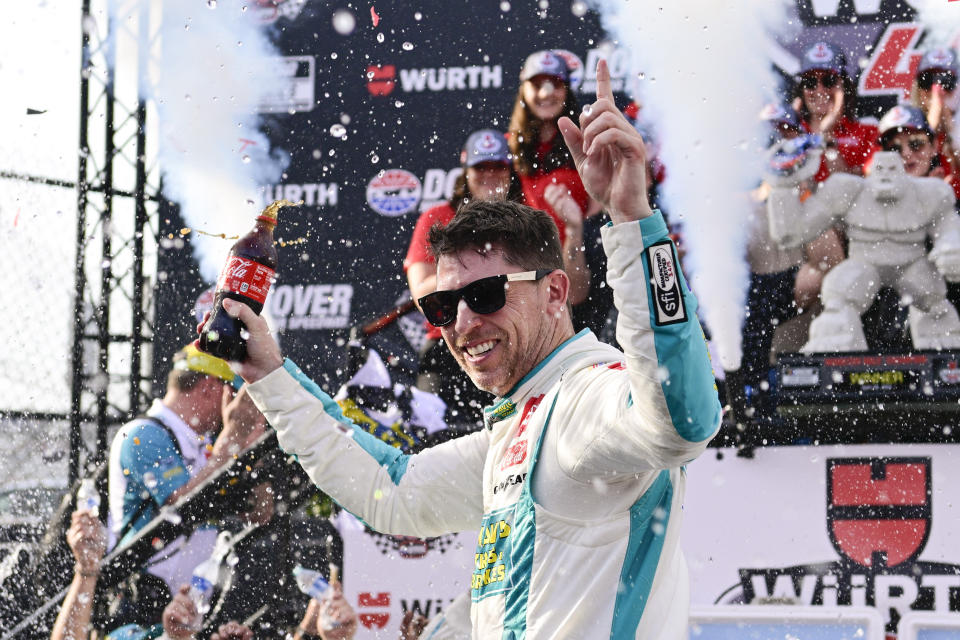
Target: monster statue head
{"x":887,"y":177}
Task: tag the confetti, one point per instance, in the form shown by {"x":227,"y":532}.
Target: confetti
{"x":374,"y":16}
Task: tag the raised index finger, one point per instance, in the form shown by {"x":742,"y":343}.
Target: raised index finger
{"x":603,"y":80}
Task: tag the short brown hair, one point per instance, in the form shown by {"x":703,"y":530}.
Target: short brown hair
{"x":184,"y":379}
{"x":527,"y":236}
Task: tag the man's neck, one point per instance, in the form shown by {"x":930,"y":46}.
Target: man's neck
{"x":562,"y":332}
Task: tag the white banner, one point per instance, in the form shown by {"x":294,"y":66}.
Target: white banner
{"x":856,"y":525}
{"x":385,"y":576}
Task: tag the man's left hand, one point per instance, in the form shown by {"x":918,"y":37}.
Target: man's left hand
{"x":609,"y":154}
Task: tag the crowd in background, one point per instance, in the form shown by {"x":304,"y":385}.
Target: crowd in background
{"x":785,"y":283}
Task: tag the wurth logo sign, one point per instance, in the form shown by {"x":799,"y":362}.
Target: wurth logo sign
{"x":879,"y":518}
{"x":878,"y":511}
{"x":373,"y":609}
{"x":382,"y":80}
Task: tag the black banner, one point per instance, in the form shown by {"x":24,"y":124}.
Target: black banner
{"x":392,"y":106}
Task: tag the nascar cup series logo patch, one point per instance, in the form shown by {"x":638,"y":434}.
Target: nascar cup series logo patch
{"x":394,"y":192}
{"x":669,"y":307}
{"x":488,"y":143}
{"x":898,"y":117}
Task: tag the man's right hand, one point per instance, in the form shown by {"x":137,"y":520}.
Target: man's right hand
{"x":263,"y":352}
{"x":609,"y":154}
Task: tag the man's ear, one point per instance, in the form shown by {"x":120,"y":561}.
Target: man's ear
{"x":558,"y":289}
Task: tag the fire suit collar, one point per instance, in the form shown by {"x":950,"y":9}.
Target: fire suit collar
{"x":506,"y":406}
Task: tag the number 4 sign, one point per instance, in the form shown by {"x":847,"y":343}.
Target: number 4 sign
{"x":894,"y":62}
{"x":895,"y":59}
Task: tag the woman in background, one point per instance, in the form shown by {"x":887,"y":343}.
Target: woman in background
{"x":825,"y":98}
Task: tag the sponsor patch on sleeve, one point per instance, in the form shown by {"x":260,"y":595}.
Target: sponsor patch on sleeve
{"x":669,"y":307}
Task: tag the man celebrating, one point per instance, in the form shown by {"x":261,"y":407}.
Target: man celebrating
{"x":577,"y":481}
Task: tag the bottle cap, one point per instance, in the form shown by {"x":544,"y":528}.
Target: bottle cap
{"x":272,"y":210}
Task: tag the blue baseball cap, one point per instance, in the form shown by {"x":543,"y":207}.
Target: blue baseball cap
{"x":545,"y":63}
{"x":823,"y":56}
{"x":485,"y":145}
{"x":901,"y":118}
{"x":938,"y":59}
{"x":780,"y":113}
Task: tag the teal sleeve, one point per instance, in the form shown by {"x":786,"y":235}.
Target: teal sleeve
{"x":689,"y":385}
{"x":394,"y":460}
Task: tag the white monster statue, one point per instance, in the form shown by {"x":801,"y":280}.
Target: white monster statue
{"x":889,"y":218}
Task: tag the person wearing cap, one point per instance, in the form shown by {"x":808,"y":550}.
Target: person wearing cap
{"x":824,"y":96}
{"x":160,"y":457}
{"x":904,"y":129}
{"x":934,"y":93}
{"x":540,"y":156}
{"x":488,"y":174}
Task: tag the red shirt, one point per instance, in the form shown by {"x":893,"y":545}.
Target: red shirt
{"x":534,"y":186}
{"x":419,"y":250}
{"x":856,"y":142}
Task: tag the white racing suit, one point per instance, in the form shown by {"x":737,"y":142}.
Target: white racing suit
{"x":576,"y":483}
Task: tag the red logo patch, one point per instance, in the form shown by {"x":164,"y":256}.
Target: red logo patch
{"x":381,"y":79}
{"x":528,"y":410}
{"x":516,"y":454}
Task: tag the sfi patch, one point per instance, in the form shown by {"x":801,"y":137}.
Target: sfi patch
{"x":669,"y":307}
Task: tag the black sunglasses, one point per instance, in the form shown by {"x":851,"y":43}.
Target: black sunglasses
{"x":485,"y":295}
{"x":828,"y":80}
{"x":945,"y":79}
{"x":915,"y":144}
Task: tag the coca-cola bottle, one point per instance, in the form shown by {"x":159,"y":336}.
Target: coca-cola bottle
{"x":245,"y":277}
